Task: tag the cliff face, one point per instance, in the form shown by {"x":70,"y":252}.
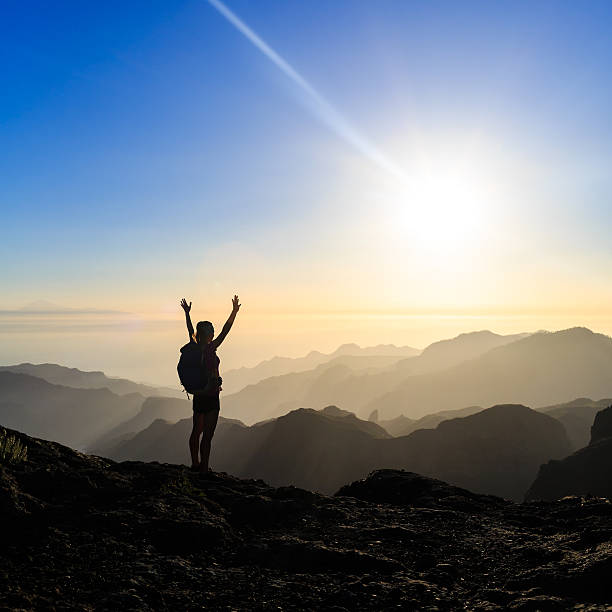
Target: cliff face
{"x":587,"y":471}
{"x":602,"y":425}
{"x":82,"y":532}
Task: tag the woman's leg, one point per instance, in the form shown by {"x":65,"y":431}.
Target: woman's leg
{"x":194,"y":438}
{"x":210,"y":423}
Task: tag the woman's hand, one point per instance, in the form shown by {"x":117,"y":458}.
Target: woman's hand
{"x":186,"y":307}
{"x":228,"y":324}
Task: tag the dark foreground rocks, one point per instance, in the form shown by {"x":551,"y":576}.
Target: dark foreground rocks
{"x":84,"y":533}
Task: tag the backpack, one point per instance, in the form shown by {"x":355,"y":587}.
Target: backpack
{"x":191,"y":372}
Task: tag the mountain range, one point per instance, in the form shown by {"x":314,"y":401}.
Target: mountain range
{"x":450,"y":352}
{"x":68,"y":415}
{"x":402,"y":425}
{"x":321,"y":449}
{"x":379,"y":356}
{"x":44,"y":307}
{"x":167,"y":409}
{"x":79,"y":379}
{"x":496,"y":451}
{"x":339,"y":381}
{"x":576,"y":416}
{"x":537,"y":370}
{"x":541,"y":369}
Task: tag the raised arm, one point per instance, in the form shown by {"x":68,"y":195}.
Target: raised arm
{"x":228,"y":324}
{"x":187,"y":308}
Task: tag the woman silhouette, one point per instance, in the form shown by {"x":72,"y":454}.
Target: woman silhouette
{"x":206,"y":402}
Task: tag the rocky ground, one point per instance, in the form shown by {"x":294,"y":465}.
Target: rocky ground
{"x":81,"y":532}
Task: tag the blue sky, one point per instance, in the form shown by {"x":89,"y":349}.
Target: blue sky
{"x":144,"y":143}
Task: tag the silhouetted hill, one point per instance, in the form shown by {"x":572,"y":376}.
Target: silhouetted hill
{"x":348,"y":418}
{"x":380,"y":356}
{"x":317,"y":450}
{"x":447,"y":353}
{"x":587,"y":471}
{"x":277,"y":395}
{"x":337,"y":382}
{"x":402,"y":425}
{"x":166,"y":408}
{"x":71,"y":416}
{"x":161,"y":440}
{"x":495,"y":451}
{"x":542,"y":369}
{"x":322,"y":443}
{"x":72,"y":377}
{"x":85,"y":533}
{"x":577,"y":417}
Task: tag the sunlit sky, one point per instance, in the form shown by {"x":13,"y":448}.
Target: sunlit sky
{"x":389,"y":171}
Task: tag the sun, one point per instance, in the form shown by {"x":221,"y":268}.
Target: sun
{"x":440,"y":211}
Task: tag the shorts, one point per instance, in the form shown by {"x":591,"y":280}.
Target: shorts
{"x":205,"y":403}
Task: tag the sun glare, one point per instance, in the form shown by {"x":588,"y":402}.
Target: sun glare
{"x":441,"y":212}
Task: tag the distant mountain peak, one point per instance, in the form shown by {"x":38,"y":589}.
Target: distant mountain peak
{"x":570,"y":331}
{"x":348,"y":346}
{"x":335,"y":411}
{"x":579,"y":330}
{"x":47,"y":307}
{"x":479,"y":332}
{"x":43,"y":305}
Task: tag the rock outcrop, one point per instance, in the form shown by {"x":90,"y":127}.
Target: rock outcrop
{"x":602,"y":425}
{"x":587,"y":471}
{"x":82,"y":532}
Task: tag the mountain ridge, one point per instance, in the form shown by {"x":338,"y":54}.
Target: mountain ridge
{"x":87,"y":379}
{"x":496,"y":451}
{"x":566,"y":363}
{"x":71,"y":415}
{"x":238,"y":378}
{"x":310,"y":388}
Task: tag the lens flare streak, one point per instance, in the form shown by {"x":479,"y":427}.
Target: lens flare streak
{"x":326,"y":112}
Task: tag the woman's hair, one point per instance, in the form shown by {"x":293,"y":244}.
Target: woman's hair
{"x":203,"y":329}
